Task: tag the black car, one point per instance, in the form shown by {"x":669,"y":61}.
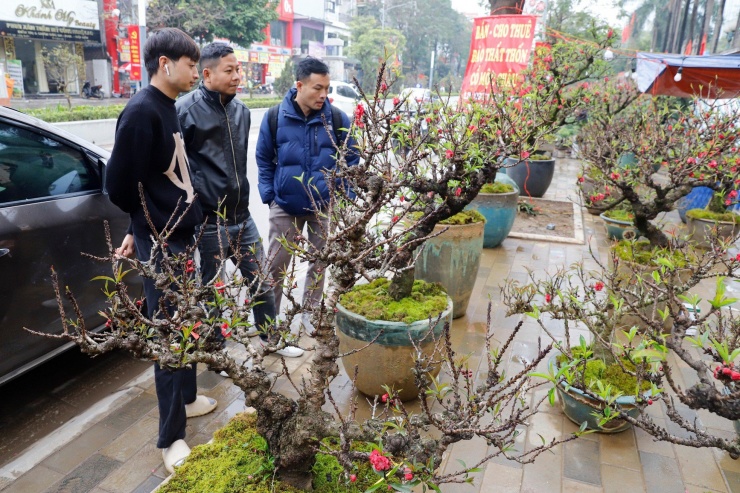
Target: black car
{"x":52,"y":208}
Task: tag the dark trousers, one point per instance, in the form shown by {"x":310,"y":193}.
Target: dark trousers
{"x":212,"y":249}
{"x":174,"y":388}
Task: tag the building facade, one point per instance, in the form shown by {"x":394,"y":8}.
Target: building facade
{"x":31,"y":28}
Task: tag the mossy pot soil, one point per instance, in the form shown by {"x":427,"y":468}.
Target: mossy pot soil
{"x":237,"y":461}
{"x":497,"y":188}
{"x":703,"y":225}
{"x":580,"y":408}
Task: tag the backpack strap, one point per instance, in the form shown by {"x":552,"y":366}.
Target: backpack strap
{"x":336,"y":122}
{"x":272,"y":120}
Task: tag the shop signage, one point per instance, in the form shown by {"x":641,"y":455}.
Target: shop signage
{"x":133,"y":36}
{"x":499,"y":50}
{"x":66,"y":20}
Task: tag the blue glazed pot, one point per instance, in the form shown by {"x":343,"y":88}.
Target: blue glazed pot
{"x":452,"y":258}
{"x":698,"y":198}
{"x":389,"y":360}
{"x":579,"y":407}
{"x":532,"y":177}
{"x":618,"y":230}
{"x":499,"y":209}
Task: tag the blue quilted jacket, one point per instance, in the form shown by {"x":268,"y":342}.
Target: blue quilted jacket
{"x":304,"y":148}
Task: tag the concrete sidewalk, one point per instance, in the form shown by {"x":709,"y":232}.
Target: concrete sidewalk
{"x":113,"y":450}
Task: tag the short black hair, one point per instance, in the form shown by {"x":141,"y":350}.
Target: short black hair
{"x":170,"y":42}
{"x":308,"y":66}
{"x":212,"y":53}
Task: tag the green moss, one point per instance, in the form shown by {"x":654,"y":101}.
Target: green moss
{"x":464,"y":217}
{"x":729,"y":217}
{"x":373,"y":302}
{"x":497,"y":188}
{"x":641,"y":252}
{"x":597,"y":370}
{"x":620,"y":215}
{"x":237,"y":462}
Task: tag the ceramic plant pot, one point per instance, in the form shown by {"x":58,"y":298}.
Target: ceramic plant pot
{"x":701,"y":230}
{"x":618,"y":230}
{"x":499,"y":209}
{"x":390,"y":359}
{"x":533,"y":177}
{"x":452,"y":259}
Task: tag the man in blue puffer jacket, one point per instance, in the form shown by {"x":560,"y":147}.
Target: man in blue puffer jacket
{"x":301,"y":147}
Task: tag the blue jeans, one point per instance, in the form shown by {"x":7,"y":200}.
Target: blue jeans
{"x":175,"y":388}
{"x":250,"y":247}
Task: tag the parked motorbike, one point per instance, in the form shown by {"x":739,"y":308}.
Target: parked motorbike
{"x":265,"y":89}
{"x":90,"y":91}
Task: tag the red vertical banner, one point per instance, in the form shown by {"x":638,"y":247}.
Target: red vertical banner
{"x":499,"y":50}
{"x":134,"y":39}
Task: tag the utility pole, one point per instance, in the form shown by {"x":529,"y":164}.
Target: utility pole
{"x":142,"y":40}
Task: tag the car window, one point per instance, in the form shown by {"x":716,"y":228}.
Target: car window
{"x":347,"y":92}
{"x":33,"y":166}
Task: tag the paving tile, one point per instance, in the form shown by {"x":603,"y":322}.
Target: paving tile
{"x":725,"y":462}
{"x":699,"y":468}
{"x":86,"y":476}
{"x":544,"y":475}
{"x":544,"y":426}
{"x":469,"y":452}
{"x":690,"y":488}
{"x":661,"y":474}
{"x":78,"y":450}
{"x":148,"y":485}
{"x":37,"y":479}
{"x":499,"y":478}
{"x":581,"y":462}
{"x":127,"y":444}
{"x":646,"y":443}
{"x":570,"y":486}
{"x":733,"y":481}
{"x":620,"y":449}
{"x":618,"y":480}
{"x":126,"y":415}
{"x":134,"y":471}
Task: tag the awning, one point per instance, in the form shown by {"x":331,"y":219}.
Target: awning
{"x":707,"y":76}
{"x":126,"y":67}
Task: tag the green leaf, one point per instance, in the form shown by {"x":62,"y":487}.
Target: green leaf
{"x":656,"y":277}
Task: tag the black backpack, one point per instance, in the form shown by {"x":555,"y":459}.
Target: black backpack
{"x":272,"y":118}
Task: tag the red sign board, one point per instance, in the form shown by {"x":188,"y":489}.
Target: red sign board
{"x":499,"y":50}
{"x":133,"y":36}
{"x":285,"y":10}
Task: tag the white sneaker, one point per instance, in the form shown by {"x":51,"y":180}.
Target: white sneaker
{"x":307,"y":325}
{"x":290,"y":352}
{"x":175,"y":455}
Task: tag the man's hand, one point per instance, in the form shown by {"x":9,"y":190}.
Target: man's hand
{"x":127,"y":248}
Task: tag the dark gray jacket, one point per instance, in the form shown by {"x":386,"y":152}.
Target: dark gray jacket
{"x":216,"y":139}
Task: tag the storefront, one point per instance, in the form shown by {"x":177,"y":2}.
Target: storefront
{"x":31,"y":28}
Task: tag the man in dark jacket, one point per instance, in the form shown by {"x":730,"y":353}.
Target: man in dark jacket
{"x":215,"y":129}
{"x":301,"y":147}
{"x":149,"y":151}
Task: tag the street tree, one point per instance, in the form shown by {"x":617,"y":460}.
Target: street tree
{"x":63,"y":66}
{"x":371,"y":44}
{"x":240,"y":22}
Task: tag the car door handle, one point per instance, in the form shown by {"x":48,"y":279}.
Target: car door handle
{"x":4,"y":251}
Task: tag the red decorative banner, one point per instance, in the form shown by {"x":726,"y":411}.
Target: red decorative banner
{"x":133,"y":36}
{"x":499,"y":50}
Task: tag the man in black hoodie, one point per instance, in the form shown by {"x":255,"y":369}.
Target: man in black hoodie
{"x":215,"y":128}
{"x":149,"y":150}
